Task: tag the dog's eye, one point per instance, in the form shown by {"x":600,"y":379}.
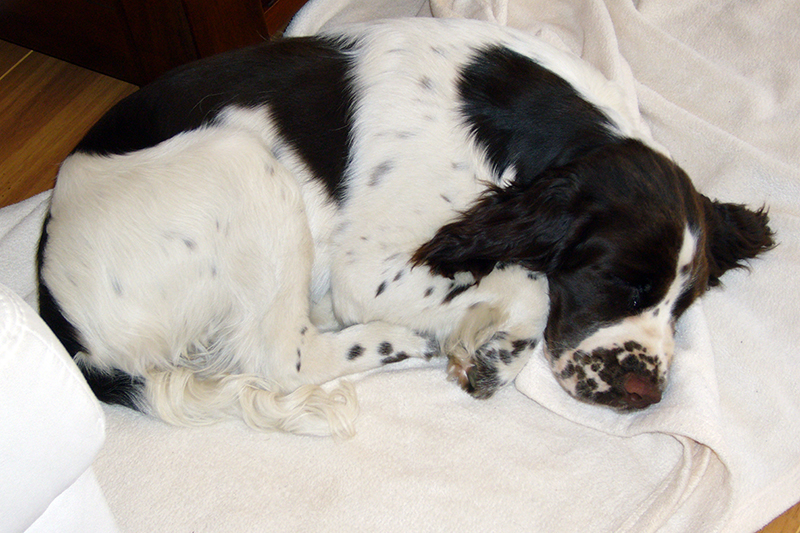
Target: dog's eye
{"x":638,"y":294}
{"x":634,"y":294}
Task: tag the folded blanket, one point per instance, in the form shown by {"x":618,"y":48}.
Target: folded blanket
{"x":717,"y":82}
{"x":20,"y":226}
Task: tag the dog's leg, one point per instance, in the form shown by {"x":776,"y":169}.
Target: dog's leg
{"x":488,"y":329}
{"x":301,"y":353}
{"x":495,"y":338}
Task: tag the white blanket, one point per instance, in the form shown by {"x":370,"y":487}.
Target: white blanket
{"x":718,"y":82}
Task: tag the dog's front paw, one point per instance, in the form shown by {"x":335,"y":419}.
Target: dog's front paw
{"x":493,"y":365}
{"x":458,"y":370}
{"x":483,"y":380}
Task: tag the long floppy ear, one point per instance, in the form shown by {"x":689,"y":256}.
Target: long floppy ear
{"x":735,"y":234}
{"x":515,"y":224}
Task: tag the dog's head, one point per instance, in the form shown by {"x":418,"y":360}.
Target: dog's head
{"x":627,"y":245}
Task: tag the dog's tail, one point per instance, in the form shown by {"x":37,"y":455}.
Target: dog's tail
{"x":180,"y":396}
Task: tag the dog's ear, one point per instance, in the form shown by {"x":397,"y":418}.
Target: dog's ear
{"x":735,"y":234}
{"x":515,"y":225}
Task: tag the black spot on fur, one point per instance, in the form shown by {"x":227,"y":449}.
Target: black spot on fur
{"x":385,"y":348}
{"x":355,"y":352}
{"x":633,"y":364}
{"x":506,"y":356}
{"x":116,"y":286}
{"x":586,"y":387}
{"x":432,"y":346}
{"x":396,"y":358}
{"x":381,"y":288}
{"x":519,"y":345}
{"x":455,"y":290}
{"x":568,"y":371}
{"x":379,"y":172}
{"x":428,"y":292}
{"x":633,"y":346}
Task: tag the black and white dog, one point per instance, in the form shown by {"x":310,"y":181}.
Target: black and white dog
{"x":254,"y":225}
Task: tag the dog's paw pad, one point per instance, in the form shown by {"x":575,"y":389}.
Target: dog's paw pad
{"x":483,"y":381}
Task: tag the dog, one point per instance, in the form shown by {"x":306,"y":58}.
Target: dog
{"x":232,"y":237}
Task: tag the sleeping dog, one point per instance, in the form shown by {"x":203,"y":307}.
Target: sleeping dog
{"x":251,"y":226}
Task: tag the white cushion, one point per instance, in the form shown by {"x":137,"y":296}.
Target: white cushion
{"x":51,"y":426}
{"x":81,"y":508}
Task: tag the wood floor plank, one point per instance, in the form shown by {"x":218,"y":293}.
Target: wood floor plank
{"x":46,"y":106}
{"x":10,"y":55}
{"x":788,"y":522}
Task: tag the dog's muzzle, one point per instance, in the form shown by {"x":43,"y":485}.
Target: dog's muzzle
{"x":623,"y":376}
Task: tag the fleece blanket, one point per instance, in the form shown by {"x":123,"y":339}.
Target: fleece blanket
{"x":719,"y":85}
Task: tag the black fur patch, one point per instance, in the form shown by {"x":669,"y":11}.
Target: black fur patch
{"x":305,"y":82}
{"x":114,"y":387}
{"x":526,"y":116}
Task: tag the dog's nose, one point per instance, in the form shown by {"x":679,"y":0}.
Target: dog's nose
{"x":640,"y":392}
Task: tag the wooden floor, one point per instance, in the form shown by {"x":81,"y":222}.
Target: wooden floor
{"x":47,"y":105}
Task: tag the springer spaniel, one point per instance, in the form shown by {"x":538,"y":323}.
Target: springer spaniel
{"x":254,"y":225}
